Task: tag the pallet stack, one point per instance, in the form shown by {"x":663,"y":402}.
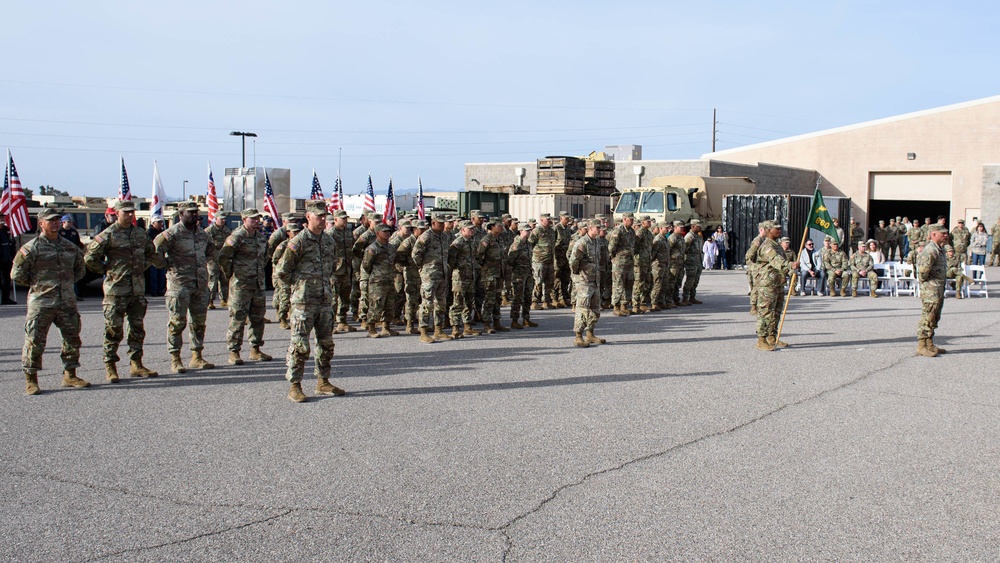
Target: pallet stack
{"x":599,"y":178}
{"x":561,"y":175}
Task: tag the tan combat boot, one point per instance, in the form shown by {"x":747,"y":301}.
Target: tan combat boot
{"x":456,"y":332}
{"x":295,"y":393}
{"x":176,"y":365}
{"x":854,"y":292}
{"x":372,"y":333}
{"x":136,"y":369}
{"x":515,"y":325}
{"x":488,"y":329}
{"x":843,"y":292}
{"x":505,"y":302}
{"x":636,"y":310}
{"x":343,"y":328}
{"x":958,"y":289}
{"x":579,"y":341}
{"x":111,"y":371}
{"x":211,"y":305}
{"x":224,"y":304}
{"x":412,"y":328}
{"x":776,"y":343}
{"x":529,"y":323}
{"x":753,"y":310}
{"x":31,"y":384}
{"x":686,"y":302}
{"x":644,"y":309}
{"x":235,"y":359}
{"x":591,"y":339}
{"x":499,"y":327}
{"x":440,"y":334}
{"x":762,"y":344}
{"x":256,"y":354}
{"x":469,"y":331}
{"x":536,"y":306}
{"x":934,"y":348}
{"x":655,"y":308}
{"x":547,"y":306}
{"x":284,"y":324}
{"x":386,"y":331}
{"x":198,"y":361}
{"x":71,"y":380}
{"x":670,"y":305}
{"x":563,"y":304}
{"x":923,"y":350}
{"x":426,"y":338}
{"x":324,"y":387}
{"x":695,"y":301}
{"x":620,"y":311}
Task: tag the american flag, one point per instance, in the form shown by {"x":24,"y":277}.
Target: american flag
{"x":421,"y":212}
{"x":269,"y":207}
{"x":316,"y":192}
{"x":370,"y":197}
{"x":211,"y":199}
{"x":389,"y":216}
{"x":335,"y":203}
{"x":15,"y":205}
{"x":124,"y":193}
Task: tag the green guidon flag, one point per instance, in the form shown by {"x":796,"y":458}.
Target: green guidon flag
{"x":819,"y":217}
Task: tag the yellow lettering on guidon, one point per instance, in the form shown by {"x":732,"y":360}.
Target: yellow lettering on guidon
{"x":823,"y":224}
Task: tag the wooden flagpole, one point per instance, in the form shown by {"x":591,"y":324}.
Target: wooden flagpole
{"x":791,"y":283}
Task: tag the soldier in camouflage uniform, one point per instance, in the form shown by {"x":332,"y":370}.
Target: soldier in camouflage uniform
{"x":363,"y":241}
{"x":892,"y":240}
{"x":121,"y":253}
{"x":932,"y":267}
{"x":185,"y":250}
{"x":915,"y":235}
{"x":583,"y":262}
{"x":856,"y":232}
{"x":242,"y":258}
{"x":378,"y":267}
{"x":343,"y":270}
{"x":994,"y":258}
{"x":522,"y":279}
{"x":862,"y":266}
{"x":507,"y":237}
{"x":960,"y":237}
{"x":430,"y":255}
{"x":307,"y":266}
{"x":411,"y":278}
{"x":282,"y":291}
{"x":675,"y":247}
{"x":642,"y":260}
{"x":218,"y":285}
{"x":490,"y":257}
{"x":752,"y":267}
{"x":48,"y":266}
{"x":956,"y":271}
{"x":543,"y":241}
{"x":693,"y":242}
{"x":399,"y":285}
{"x":462,"y":262}
{"x":772,"y":270}
{"x":273,"y":240}
{"x":838,"y":268}
{"x":621,"y":247}
{"x":660,"y":255}
{"x":561,"y":274}
{"x":605,"y":263}
{"x":882,"y":237}
{"x":364,"y":226}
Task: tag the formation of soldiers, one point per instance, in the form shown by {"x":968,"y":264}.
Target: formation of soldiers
{"x":425,"y":276}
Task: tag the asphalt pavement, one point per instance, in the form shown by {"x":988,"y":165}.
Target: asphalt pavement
{"x":677,"y":440}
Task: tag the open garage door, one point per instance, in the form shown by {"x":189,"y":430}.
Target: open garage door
{"x":916,"y":195}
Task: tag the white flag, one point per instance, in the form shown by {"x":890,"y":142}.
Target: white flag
{"x":156,"y":207}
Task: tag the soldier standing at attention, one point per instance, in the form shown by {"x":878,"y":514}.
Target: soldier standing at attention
{"x":411,"y":278}
{"x":751,"y":263}
{"x":660,"y":254}
{"x":307,"y":266}
{"x":770,"y":281}
{"x":932,"y":268}
{"x":675,"y":247}
{"x":361,"y":243}
{"x":522,"y":280}
{"x":121,"y":253}
{"x":882,"y":238}
{"x":462,"y":262}
{"x":960,"y":237}
{"x":642,"y":260}
{"x":218,"y":285}
{"x":857,"y":233}
{"x":185,"y":249}
{"x":356,"y":304}
{"x":507,"y":237}
{"x":343,"y":274}
{"x":892,"y":239}
{"x":378,"y":265}
{"x":605,"y":263}
{"x":583,"y":262}
{"x":543,"y":241}
{"x":242,"y":258}
{"x":395,"y":316}
{"x":430,"y":254}
{"x":490,"y":258}
{"x":564,"y":232}
{"x":48,"y":266}
{"x":692,"y":263}
{"x":621,"y":246}
{"x":282,"y":291}
{"x":915,"y":235}
{"x":862,"y":266}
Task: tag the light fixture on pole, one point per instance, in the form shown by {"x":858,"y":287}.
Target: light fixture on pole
{"x":184,"y":190}
{"x":243,"y":134}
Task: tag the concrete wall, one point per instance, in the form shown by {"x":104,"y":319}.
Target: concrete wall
{"x":991,"y":195}
{"x":495,"y":173}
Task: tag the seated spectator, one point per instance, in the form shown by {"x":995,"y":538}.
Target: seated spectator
{"x":955,"y":270}
{"x":875,"y":251}
{"x":838,"y":269}
{"x":810,"y":269}
{"x":862,"y":266}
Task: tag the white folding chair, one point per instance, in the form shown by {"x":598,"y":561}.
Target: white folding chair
{"x":906,"y":280}
{"x":886,"y":278}
{"x":978,"y":276}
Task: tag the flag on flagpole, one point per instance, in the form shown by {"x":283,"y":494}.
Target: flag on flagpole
{"x":16,"y":212}
{"x":819,"y":217}
{"x":316,"y":192}
{"x":421,"y":211}
{"x":370,"y":197}
{"x":124,"y":193}
{"x":269,"y":207}
{"x":5,"y":195}
{"x":334,"y":203}
{"x":389,"y":215}
{"x":340,"y":192}
{"x":211,"y":199}
{"x":159,"y":196}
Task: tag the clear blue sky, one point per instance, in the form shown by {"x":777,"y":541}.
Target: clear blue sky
{"x":408,"y":88}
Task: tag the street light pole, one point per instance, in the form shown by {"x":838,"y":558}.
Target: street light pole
{"x":243,"y":134}
{"x":184,"y":190}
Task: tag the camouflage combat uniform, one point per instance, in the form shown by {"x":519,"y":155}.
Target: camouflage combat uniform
{"x":605,"y":264}
{"x":862,"y":261}
{"x":956,"y":271}
{"x":522,"y":280}
{"x":398,"y":283}
{"x":360,"y":245}
{"x":243,"y":257}
{"x":833,"y":261}
{"x":282,"y":291}
{"x":356,"y":304}
{"x":217,"y":284}
{"x":583,"y":262}
{"x":693,"y":264}
{"x":343,"y":272}
{"x":660,"y":254}
{"x":461,"y":261}
{"x":561,"y":272}
{"x":932,"y":267}
{"x":543,"y":242}
{"x":960,"y":237}
{"x":411,"y":281}
{"x":378,"y":268}
{"x":769,"y":285}
{"x":490,"y":258}
{"x":186,"y":255}
{"x":430,"y":254}
{"x":675,"y":246}
{"x":621,"y":247}
{"x":506,"y":238}
{"x":643,"y":262}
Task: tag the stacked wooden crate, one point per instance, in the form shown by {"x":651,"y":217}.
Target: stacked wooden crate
{"x":561,"y":175}
{"x":599,"y":177}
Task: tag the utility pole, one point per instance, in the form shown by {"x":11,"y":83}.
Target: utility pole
{"x":715,"y":128}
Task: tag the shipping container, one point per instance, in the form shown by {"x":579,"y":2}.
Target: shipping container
{"x":525,"y":206}
{"x":742,"y":213}
{"x":491,"y":204}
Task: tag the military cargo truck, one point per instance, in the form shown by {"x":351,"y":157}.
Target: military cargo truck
{"x":683,"y":198}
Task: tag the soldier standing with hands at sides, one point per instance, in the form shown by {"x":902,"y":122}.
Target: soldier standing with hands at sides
{"x":621,"y":246}
{"x":932,"y":266}
{"x":462,"y":263}
{"x":185,"y":249}
{"x":430,"y":254}
{"x":121,"y":253}
{"x":583,"y":262}
{"x":773,"y":268}
{"x":378,"y":266}
{"x":242,"y":259}
{"x":218,"y":285}
{"x":522,"y":280}
{"x":490,"y":258}
{"x":307,"y":266}
{"x":48,"y":266}
{"x":543,"y":242}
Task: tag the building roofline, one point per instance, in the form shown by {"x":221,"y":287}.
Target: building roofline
{"x":862,"y":125}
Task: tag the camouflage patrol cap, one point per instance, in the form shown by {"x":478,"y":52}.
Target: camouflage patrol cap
{"x":646,"y":218}
{"x":785,"y":239}
{"x":494,"y":221}
{"x":315,"y":207}
{"x":937,"y":228}
{"x":698,"y":223}
{"x":186,"y":205}
{"x":339,"y":214}
{"x":437,"y":217}
{"x":125,"y":205}
{"x":663,"y":224}
{"x":524,"y":227}
{"x":881,"y":222}
{"x":285,"y":217}
{"x":594,"y":223}
{"x":506,"y":217}
{"x":422,"y":224}
{"x":563,"y":214}
{"x":828,"y":238}
{"x":545,"y":216}
{"x":294,"y":227}
{"x":962,"y":221}
{"x":249,"y":213}
{"x":949,"y":248}
{"x":377,"y":217}
{"x":48,"y":215}
{"x":405,"y":223}
{"x":383,"y":228}
{"x":681,"y":224}
{"x":600,"y":216}
{"x":475,"y":213}
{"x":449,"y":218}
{"x":628,"y":216}
{"x":862,"y":243}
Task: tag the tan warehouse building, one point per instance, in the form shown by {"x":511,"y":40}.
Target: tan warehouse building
{"x":942,"y":161}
